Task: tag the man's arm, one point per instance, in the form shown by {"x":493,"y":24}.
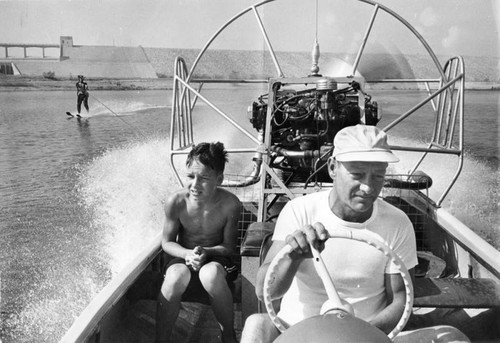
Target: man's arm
{"x":387,"y":319}
{"x":395,"y":291}
{"x":284,"y":275}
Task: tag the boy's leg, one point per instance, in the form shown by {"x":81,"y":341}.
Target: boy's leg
{"x":176,"y":280}
{"x":213,"y":278}
{"x":259,"y":329}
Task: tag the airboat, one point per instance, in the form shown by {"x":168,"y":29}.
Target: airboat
{"x":284,"y":137}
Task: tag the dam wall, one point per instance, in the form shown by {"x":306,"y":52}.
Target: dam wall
{"x":111,"y":62}
{"x":91,"y":61}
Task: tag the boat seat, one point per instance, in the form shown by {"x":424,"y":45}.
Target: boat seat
{"x":456,"y":293}
{"x":254,"y":238}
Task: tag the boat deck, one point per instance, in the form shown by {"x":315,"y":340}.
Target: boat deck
{"x":474,"y":299}
{"x":196,"y":323}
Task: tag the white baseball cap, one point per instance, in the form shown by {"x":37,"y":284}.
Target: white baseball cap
{"x":364,"y":143}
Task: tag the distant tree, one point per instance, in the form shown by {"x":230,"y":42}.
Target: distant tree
{"x":49,"y":75}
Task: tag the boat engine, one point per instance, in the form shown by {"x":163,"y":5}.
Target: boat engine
{"x":304,"y":122}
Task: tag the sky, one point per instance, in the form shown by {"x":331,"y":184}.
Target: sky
{"x":451,"y":27}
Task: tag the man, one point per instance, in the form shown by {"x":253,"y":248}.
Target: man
{"x":200,"y":233}
{"x":82,"y":93}
{"x":363,"y":278}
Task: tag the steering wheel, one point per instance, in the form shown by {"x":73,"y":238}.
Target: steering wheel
{"x":334,"y":300}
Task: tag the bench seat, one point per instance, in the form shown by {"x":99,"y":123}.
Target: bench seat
{"x":456,"y":293}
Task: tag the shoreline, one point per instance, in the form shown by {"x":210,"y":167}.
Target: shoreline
{"x":43,"y":84}
{"x":17,"y":83}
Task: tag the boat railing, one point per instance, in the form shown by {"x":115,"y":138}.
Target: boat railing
{"x":87,"y":327}
{"x":184,"y":99}
{"x":448,"y":104}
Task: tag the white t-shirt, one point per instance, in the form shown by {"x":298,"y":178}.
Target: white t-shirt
{"x":357,"y":269}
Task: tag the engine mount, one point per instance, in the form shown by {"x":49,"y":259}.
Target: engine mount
{"x":305,"y":119}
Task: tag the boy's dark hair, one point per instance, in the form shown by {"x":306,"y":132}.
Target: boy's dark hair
{"x":212,"y":155}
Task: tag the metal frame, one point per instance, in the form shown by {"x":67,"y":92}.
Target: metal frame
{"x":448,"y":108}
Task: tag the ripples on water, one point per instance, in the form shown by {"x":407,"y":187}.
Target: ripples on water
{"x":57,"y":249}
{"x":79,"y":199}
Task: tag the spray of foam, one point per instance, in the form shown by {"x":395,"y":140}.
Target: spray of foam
{"x":122,"y":192}
{"x":52,"y":307}
{"x":119,"y":108}
{"x":473,"y":199}
{"x":125,"y":189}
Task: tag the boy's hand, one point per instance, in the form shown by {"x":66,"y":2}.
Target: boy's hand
{"x":196,"y":259}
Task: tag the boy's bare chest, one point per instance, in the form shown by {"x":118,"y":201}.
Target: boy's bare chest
{"x":203,"y":220}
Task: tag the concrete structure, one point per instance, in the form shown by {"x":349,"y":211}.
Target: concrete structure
{"x":25,"y":48}
{"x":91,"y":61}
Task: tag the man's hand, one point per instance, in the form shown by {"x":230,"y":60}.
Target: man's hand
{"x":196,"y":259}
{"x":300,"y":240}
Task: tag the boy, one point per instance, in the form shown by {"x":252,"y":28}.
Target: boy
{"x":200,"y":233}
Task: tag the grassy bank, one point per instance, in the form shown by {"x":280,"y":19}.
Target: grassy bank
{"x":16,"y":83}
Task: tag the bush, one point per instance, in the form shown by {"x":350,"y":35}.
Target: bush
{"x":49,"y":75}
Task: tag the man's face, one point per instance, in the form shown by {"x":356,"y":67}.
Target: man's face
{"x":357,"y":186}
{"x":202,"y":181}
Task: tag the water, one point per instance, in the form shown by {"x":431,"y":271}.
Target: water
{"x":66,"y":210}
{"x":80,"y":198}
